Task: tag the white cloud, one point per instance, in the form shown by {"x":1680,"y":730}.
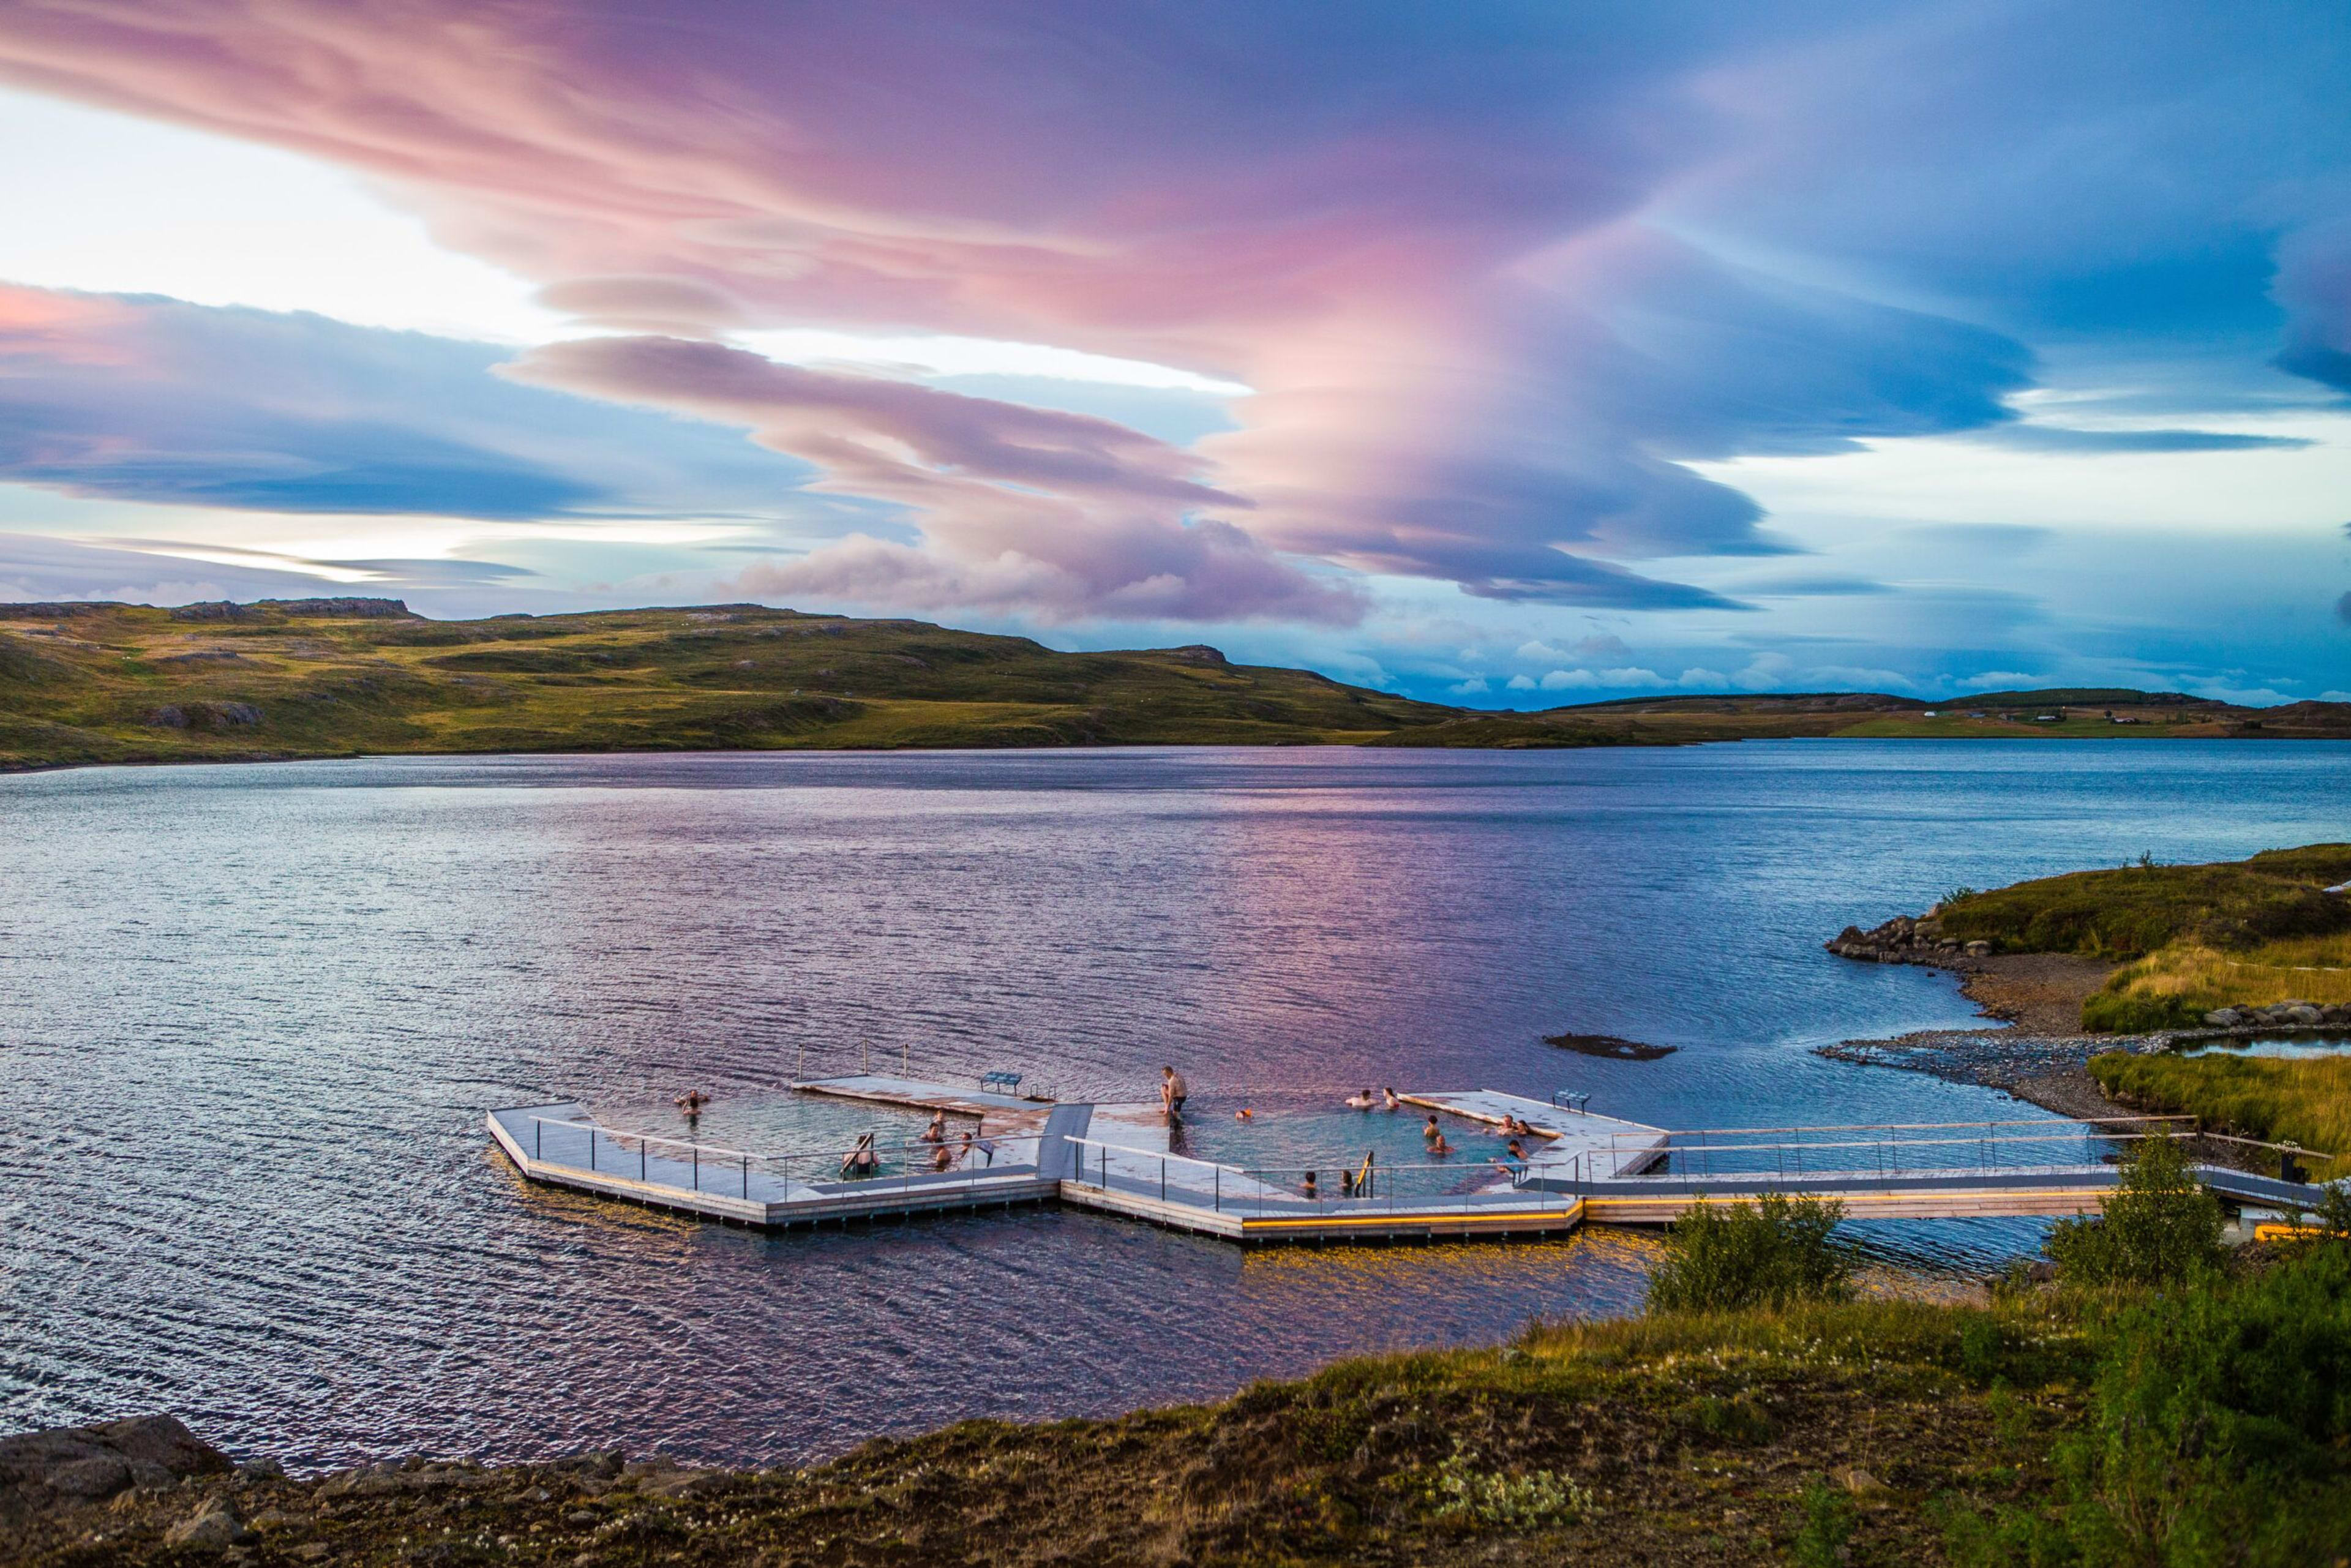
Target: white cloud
{"x":2243,"y":697}
{"x":1699,"y":678}
{"x":1473,"y":686}
{"x":1627,"y":678}
{"x":1522,"y":683}
{"x":1999,"y":680}
{"x":1537,"y":652}
{"x":2334,"y":696}
{"x":1763,"y":671}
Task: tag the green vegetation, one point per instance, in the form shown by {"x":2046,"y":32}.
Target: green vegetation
{"x":2249,"y":933}
{"x":97,"y":683}
{"x":2201,"y":1422}
{"x":2161,"y":1226}
{"x":2277,"y":1100}
{"x":2176,"y":986}
{"x":2138,"y":908}
{"x":1771,"y":1253}
{"x":337,"y":677}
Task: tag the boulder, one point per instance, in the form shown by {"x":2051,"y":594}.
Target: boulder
{"x":67,"y":1465}
{"x":2224,"y":1017}
{"x":1978,"y":949}
{"x":2302,"y":1013}
{"x":214,"y":1526}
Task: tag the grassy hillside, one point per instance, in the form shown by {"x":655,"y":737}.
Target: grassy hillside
{"x":2262,"y":932}
{"x":97,"y":683}
{"x":307,"y":678}
{"x":2133,"y":910}
{"x":2304,"y":1101}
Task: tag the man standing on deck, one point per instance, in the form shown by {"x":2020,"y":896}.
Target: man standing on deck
{"x":1172,"y":1092}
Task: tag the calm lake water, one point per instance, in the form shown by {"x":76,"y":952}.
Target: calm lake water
{"x":250,"y":1019}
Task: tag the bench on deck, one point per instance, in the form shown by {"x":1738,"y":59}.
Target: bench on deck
{"x":999,"y":1082}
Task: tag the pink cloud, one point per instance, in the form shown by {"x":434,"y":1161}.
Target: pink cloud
{"x":1418,"y":232}
{"x":1059,"y":513}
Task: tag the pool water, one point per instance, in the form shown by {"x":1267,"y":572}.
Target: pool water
{"x":1289,"y":1136}
{"x":809,"y":1134}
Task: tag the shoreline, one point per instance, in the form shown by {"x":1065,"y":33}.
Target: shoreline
{"x":2035,"y":1059}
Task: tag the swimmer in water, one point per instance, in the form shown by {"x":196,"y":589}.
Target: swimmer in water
{"x":1362,"y":1101}
{"x":1244,"y":1114}
{"x":1389,"y":1096}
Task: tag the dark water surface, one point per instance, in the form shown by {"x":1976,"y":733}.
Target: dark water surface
{"x":250,"y":1019}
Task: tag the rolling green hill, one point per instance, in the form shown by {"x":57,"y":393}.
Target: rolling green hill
{"x":85,"y":682}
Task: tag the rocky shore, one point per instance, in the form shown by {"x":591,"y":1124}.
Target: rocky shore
{"x":1908,"y":939}
{"x":2043,"y":1057}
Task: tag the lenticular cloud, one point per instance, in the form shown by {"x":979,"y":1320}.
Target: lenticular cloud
{"x":1481,"y":265}
{"x":1024,"y":507}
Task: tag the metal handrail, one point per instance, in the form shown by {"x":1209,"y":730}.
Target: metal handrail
{"x":1917,"y":1127}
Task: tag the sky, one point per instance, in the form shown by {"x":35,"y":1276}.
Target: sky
{"x":1511,"y":355}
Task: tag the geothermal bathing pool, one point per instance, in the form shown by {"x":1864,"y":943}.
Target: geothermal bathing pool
{"x":1566,"y":1166}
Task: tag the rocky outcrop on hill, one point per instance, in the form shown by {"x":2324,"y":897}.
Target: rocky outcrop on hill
{"x":203,"y":715}
{"x":270,"y":609}
{"x":1908,"y":940}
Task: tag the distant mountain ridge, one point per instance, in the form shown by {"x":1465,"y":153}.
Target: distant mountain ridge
{"x":94,"y":683}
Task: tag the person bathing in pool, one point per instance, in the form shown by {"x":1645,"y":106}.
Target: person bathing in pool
{"x":1434,"y":1137}
{"x":1393,"y":1103}
{"x":1362,"y":1101}
{"x":861,"y":1161}
{"x":936,"y":1132}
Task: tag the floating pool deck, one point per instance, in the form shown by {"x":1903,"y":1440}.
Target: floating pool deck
{"x":1115,"y":1158}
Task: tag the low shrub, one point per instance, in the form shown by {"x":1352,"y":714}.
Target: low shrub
{"x":2160,"y":1225}
{"x":1768,"y":1254}
{"x":2219,"y":1425}
{"x":2117,"y":1012}
{"x":1463,"y":1494}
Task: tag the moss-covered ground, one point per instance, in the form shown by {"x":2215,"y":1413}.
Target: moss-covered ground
{"x":1670,"y":1439}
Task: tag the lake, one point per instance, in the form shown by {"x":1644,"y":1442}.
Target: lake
{"x":250,"y":1018}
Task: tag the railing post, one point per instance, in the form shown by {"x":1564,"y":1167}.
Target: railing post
{"x":644,"y":1160}
{"x":697,"y":1167}
{"x":746,"y":1175}
{"x":1220,"y":1189}
{"x":591,"y":1149}
{"x":1163,"y":1179}
{"x":537,"y":1136}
